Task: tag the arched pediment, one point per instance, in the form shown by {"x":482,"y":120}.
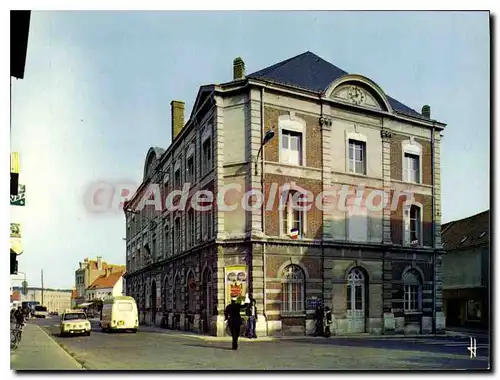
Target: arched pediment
{"x":152,"y":158}
{"x":360,"y":91}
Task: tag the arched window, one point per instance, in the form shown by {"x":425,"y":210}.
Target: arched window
{"x":355,"y":291}
{"x":292,"y":290}
{"x":191,"y":292}
{"x":178,"y":294}
{"x":413,"y":291}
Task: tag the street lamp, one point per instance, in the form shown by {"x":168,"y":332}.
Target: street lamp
{"x":268,"y":137}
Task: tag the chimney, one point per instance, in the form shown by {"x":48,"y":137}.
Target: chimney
{"x":177,"y":108}
{"x":238,"y":69}
{"x":81,"y":265}
{"x":99,"y":262}
{"x":426,"y":111}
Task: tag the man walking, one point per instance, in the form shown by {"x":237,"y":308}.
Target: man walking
{"x":251,"y":313}
{"x":234,"y":321}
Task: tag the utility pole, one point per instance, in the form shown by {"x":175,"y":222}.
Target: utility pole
{"x":42,"y":287}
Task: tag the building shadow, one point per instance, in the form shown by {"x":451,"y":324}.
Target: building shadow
{"x":209,"y":346}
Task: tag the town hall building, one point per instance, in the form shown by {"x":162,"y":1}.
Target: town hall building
{"x":299,"y":125}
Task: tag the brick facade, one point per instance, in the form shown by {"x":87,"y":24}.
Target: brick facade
{"x":321,"y":263}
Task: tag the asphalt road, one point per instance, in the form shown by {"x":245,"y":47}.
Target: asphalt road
{"x":163,"y":350}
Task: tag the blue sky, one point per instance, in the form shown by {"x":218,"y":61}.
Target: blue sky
{"x":98,"y":87}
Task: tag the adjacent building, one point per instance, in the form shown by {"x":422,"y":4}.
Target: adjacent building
{"x":55,"y":300}
{"x":109,"y":284}
{"x":299,"y":126}
{"x":88,"y":271}
{"x":466,"y":269}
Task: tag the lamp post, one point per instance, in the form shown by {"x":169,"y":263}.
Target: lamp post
{"x":268,"y":137}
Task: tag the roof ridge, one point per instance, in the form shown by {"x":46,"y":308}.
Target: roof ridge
{"x":268,"y":69}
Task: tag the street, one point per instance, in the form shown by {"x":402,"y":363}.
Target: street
{"x":155,"y":349}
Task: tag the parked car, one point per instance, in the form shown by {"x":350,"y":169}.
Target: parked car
{"x":40,"y":312}
{"x":74,"y":322}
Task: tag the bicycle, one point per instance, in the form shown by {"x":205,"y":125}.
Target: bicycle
{"x":15,"y":336}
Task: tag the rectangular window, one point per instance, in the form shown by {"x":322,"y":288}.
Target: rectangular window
{"x":414,"y":225}
{"x":168,"y":245}
{"x":206,"y":163}
{"x":292,"y":297}
{"x":292,"y":218}
{"x":411,"y":298}
{"x":177,"y":234}
{"x":411,"y":172}
{"x":291,"y":147}
{"x":177,"y":179}
{"x":207,"y":224}
{"x":165,"y":192}
{"x":125,"y":306}
{"x":191,"y":228}
{"x":153,"y":249}
{"x":357,"y":150}
{"x":190,"y":175}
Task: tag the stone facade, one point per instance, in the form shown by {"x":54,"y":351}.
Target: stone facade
{"x":363,"y":267}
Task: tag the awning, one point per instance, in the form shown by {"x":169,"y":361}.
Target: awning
{"x":85,"y":304}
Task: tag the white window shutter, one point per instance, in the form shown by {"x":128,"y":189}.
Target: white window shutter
{"x":406,"y":224}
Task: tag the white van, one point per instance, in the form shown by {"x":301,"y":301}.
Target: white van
{"x":119,"y":313}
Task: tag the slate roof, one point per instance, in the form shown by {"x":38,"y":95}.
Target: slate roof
{"x":311,"y":72}
{"x":476,"y":230}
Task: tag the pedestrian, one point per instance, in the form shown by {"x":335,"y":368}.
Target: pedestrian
{"x":234,"y":320}
{"x":19,"y":315}
{"x":328,"y":322}
{"x":251,"y":313}
{"x":318,"y":316}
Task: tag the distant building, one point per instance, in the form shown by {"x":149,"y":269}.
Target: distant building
{"x":88,"y":272}
{"x":53,"y":299}
{"x":108,"y":285}
{"x":466,"y":266}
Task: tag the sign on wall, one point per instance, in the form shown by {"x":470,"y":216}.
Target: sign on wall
{"x":20,"y":198}
{"x":16,"y":244}
{"x":236,"y":282}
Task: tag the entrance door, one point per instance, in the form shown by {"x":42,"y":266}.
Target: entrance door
{"x":356,"y":301}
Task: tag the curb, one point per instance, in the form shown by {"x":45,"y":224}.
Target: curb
{"x":63,"y":349}
{"x":211,"y":338}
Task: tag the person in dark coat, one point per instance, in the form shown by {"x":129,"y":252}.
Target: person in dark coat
{"x":328,"y":322}
{"x":251,"y":313}
{"x":19,"y":315}
{"x":318,"y":316}
{"x":234,"y":320}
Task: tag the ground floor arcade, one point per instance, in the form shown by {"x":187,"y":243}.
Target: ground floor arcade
{"x":369,"y":289}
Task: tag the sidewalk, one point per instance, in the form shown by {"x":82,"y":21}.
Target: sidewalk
{"x":211,"y":338}
{"x":37,"y":351}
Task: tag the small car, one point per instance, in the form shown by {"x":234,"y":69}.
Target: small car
{"x":75,"y":322}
